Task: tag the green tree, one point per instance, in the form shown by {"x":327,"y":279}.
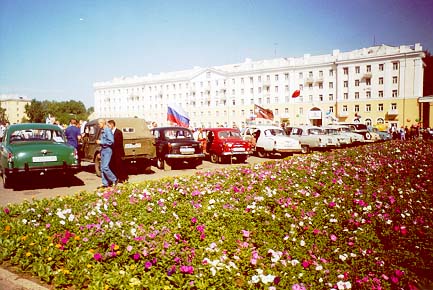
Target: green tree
{"x":35,"y":111}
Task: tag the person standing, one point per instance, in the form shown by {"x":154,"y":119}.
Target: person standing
{"x":73,"y":134}
{"x":106,"y":141}
{"x":116,"y":163}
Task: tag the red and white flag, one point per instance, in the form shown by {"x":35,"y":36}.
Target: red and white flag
{"x":263,"y":113}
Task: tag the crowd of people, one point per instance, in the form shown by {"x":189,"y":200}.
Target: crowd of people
{"x":112,"y":151}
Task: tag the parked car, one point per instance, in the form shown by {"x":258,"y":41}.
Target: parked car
{"x":384,"y":135}
{"x":313,"y":138}
{"x":345,"y":130}
{"x":270,"y":140}
{"x":362,"y":129}
{"x":138,"y":142}
{"x":175,"y":146}
{"x":38,"y":149}
{"x":223,"y":144}
{"x":343,"y":139}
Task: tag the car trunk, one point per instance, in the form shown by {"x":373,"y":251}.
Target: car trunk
{"x":40,"y":154}
{"x":139,"y":147}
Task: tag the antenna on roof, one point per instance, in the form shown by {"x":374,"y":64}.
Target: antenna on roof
{"x":374,"y":40}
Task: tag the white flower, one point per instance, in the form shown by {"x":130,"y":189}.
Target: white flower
{"x":302,"y":243}
{"x":71,"y":217}
{"x":319,"y":268}
{"x":294,"y":262}
{"x":343,"y":257}
{"x":24,"y":221}
{"x":268,"y":278}
{"x":211,"y":201}
{"x":255,"y":279}
{"x":62,"y":222}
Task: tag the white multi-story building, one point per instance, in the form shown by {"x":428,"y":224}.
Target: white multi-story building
{"x":377,"y":85}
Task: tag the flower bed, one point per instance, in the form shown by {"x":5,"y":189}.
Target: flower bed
{"x":358,"y":218}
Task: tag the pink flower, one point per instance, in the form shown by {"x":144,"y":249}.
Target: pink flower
{"x":305,"y":264}
{"x":136,"y":256}
{"x":194,"y":220}
{"x":147,"y":265}
{"x":97,"y":256}
{"x":6,"y":210}
{"x":331,"y":204}
{"x":245,"y":233}
{"x":399,"y":273}
{"x":333,"y":237}
{"x":187,"y":269}
{"x":129,"y":248}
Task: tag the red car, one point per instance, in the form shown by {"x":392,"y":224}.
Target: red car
{"x":222,"y":144}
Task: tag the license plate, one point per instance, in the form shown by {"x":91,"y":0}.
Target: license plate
{"x":187,"y":150}
{"x":130,"y":146}
{"x":238,"y":149}
{"x":44,"y":158}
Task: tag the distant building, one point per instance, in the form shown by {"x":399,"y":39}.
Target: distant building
{"x":374,"y":85}
{"x":15,"y":107}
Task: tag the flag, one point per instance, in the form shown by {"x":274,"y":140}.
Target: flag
{"x":177,"y":115}
{"x":296,"y":94}
{"x":263,"y":113}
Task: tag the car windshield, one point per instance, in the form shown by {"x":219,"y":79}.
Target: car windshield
{"x":331,"y":131}
{"x":228,"y":134}
{"x":32,"y":135}
{"x":315,"y":131}
{"x":344,"y":129}
{"x":178,"y":134}
{"x":274,"y":132}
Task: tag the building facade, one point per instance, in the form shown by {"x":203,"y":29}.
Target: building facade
{"x":375,"y":85}
{"x":15,"y":107}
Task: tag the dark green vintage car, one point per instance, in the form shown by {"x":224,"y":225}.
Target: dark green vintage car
{"x":33,"y":148}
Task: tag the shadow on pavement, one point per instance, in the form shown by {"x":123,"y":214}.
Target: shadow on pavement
{"x":46,"y":181}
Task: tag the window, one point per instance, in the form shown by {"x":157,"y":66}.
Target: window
{"x":331,"y":85}
{"x":394,"y":106}
{"x":310,"y":86}
{"x":301,"y":111}
{"x":368,"y":68}
{"x":259,"y":78}
{"x":286,"y":110}
{"x":251,"y":91}
{"x":395,"y":65}
{"x":368,"y":94}
{"x":368,"y":122}
{"x":320,"y":73}
{"x":242,"y":91}
{"x":310,"y":98}
{"x":346,"y":84}
{"x":233,"y":81}
{"x":345,"y":70}
{"x":276,"y":100}
{"x":276,"y":89}
{"x":320,"y":85}
{"x":356,"y":95}
{"x":301,"y":87}
{"x":346,"y":96}
{"x":242,"y":80}
{"x":357,"y":69}
{"x":380,"y":121}
{"x":331,"y":109}
{"x":380,"y":107}
{"x":356,"y":108}
{"x":368,"y":107}
{"x":344,"y":108}
{"x":394,"y":93}
{"x":276,"y":77}
{"x":286,"y":88}
{"x":331,"y":97}
{"x":356,"y":83}
{"x":260,"y":90}
{"x":310,"y":74}
{"x":286,"y":76}
{"x":394,"y":80}
{"x":380,"y":94}
{"x":368,"y":82}
{"x":331,"y":72}
{"x":301,"y":75}
{"x":321,"y":97}
{"x":381,"y":66}
{"x":268,"y":77}
{"x":380,"y":81}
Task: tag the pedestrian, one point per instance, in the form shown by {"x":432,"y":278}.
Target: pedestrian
{"x":201,"y":137}
{"x":73,"y":134}
{"x":402,"y":134}
{"x":116,"y":164}
{"x":106,"y":141}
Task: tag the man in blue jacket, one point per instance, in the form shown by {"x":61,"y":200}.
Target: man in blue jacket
{"x":106,"y":141}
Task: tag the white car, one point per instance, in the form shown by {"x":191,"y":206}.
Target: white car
{"x":313,"y":138}
{"x":345,"y":130}
{"x":271,"y":140}
{"x":343,"y":139}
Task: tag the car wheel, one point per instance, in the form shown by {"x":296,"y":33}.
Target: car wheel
{"x":261,"y":152}
{"x":214,"y":158}
{"x":7,"y":182}
{"x":305,"y":149}
{"x":98,"y":165}
{"x":367,"y":136}
{"x":160,"y":163}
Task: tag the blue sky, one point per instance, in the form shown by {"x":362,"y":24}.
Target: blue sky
{"x":57,"y":49}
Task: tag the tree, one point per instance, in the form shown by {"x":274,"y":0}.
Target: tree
{"x":35,"y":111}
{"x":3,"y":117}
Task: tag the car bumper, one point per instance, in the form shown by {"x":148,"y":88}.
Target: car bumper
{"x":184,"y":156}
{"x":236,"y":153}
{"x":287,"y":150}
{"x":72,"y":169}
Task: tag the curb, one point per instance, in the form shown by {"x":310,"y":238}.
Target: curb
{"x":11,"y":281}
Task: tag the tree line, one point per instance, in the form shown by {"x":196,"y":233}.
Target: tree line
{"x":38,"y":111}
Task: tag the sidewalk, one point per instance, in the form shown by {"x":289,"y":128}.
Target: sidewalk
{"x":11,"y":281}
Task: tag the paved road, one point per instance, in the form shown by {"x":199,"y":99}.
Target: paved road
{"x":49,"y":186}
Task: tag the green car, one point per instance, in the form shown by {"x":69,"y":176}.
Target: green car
{"x":36,"y":149}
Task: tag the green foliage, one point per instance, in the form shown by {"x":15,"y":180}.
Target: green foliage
{"x":359,"y":218}
{"x":3,"y":117}
{"x":62,"y":111}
